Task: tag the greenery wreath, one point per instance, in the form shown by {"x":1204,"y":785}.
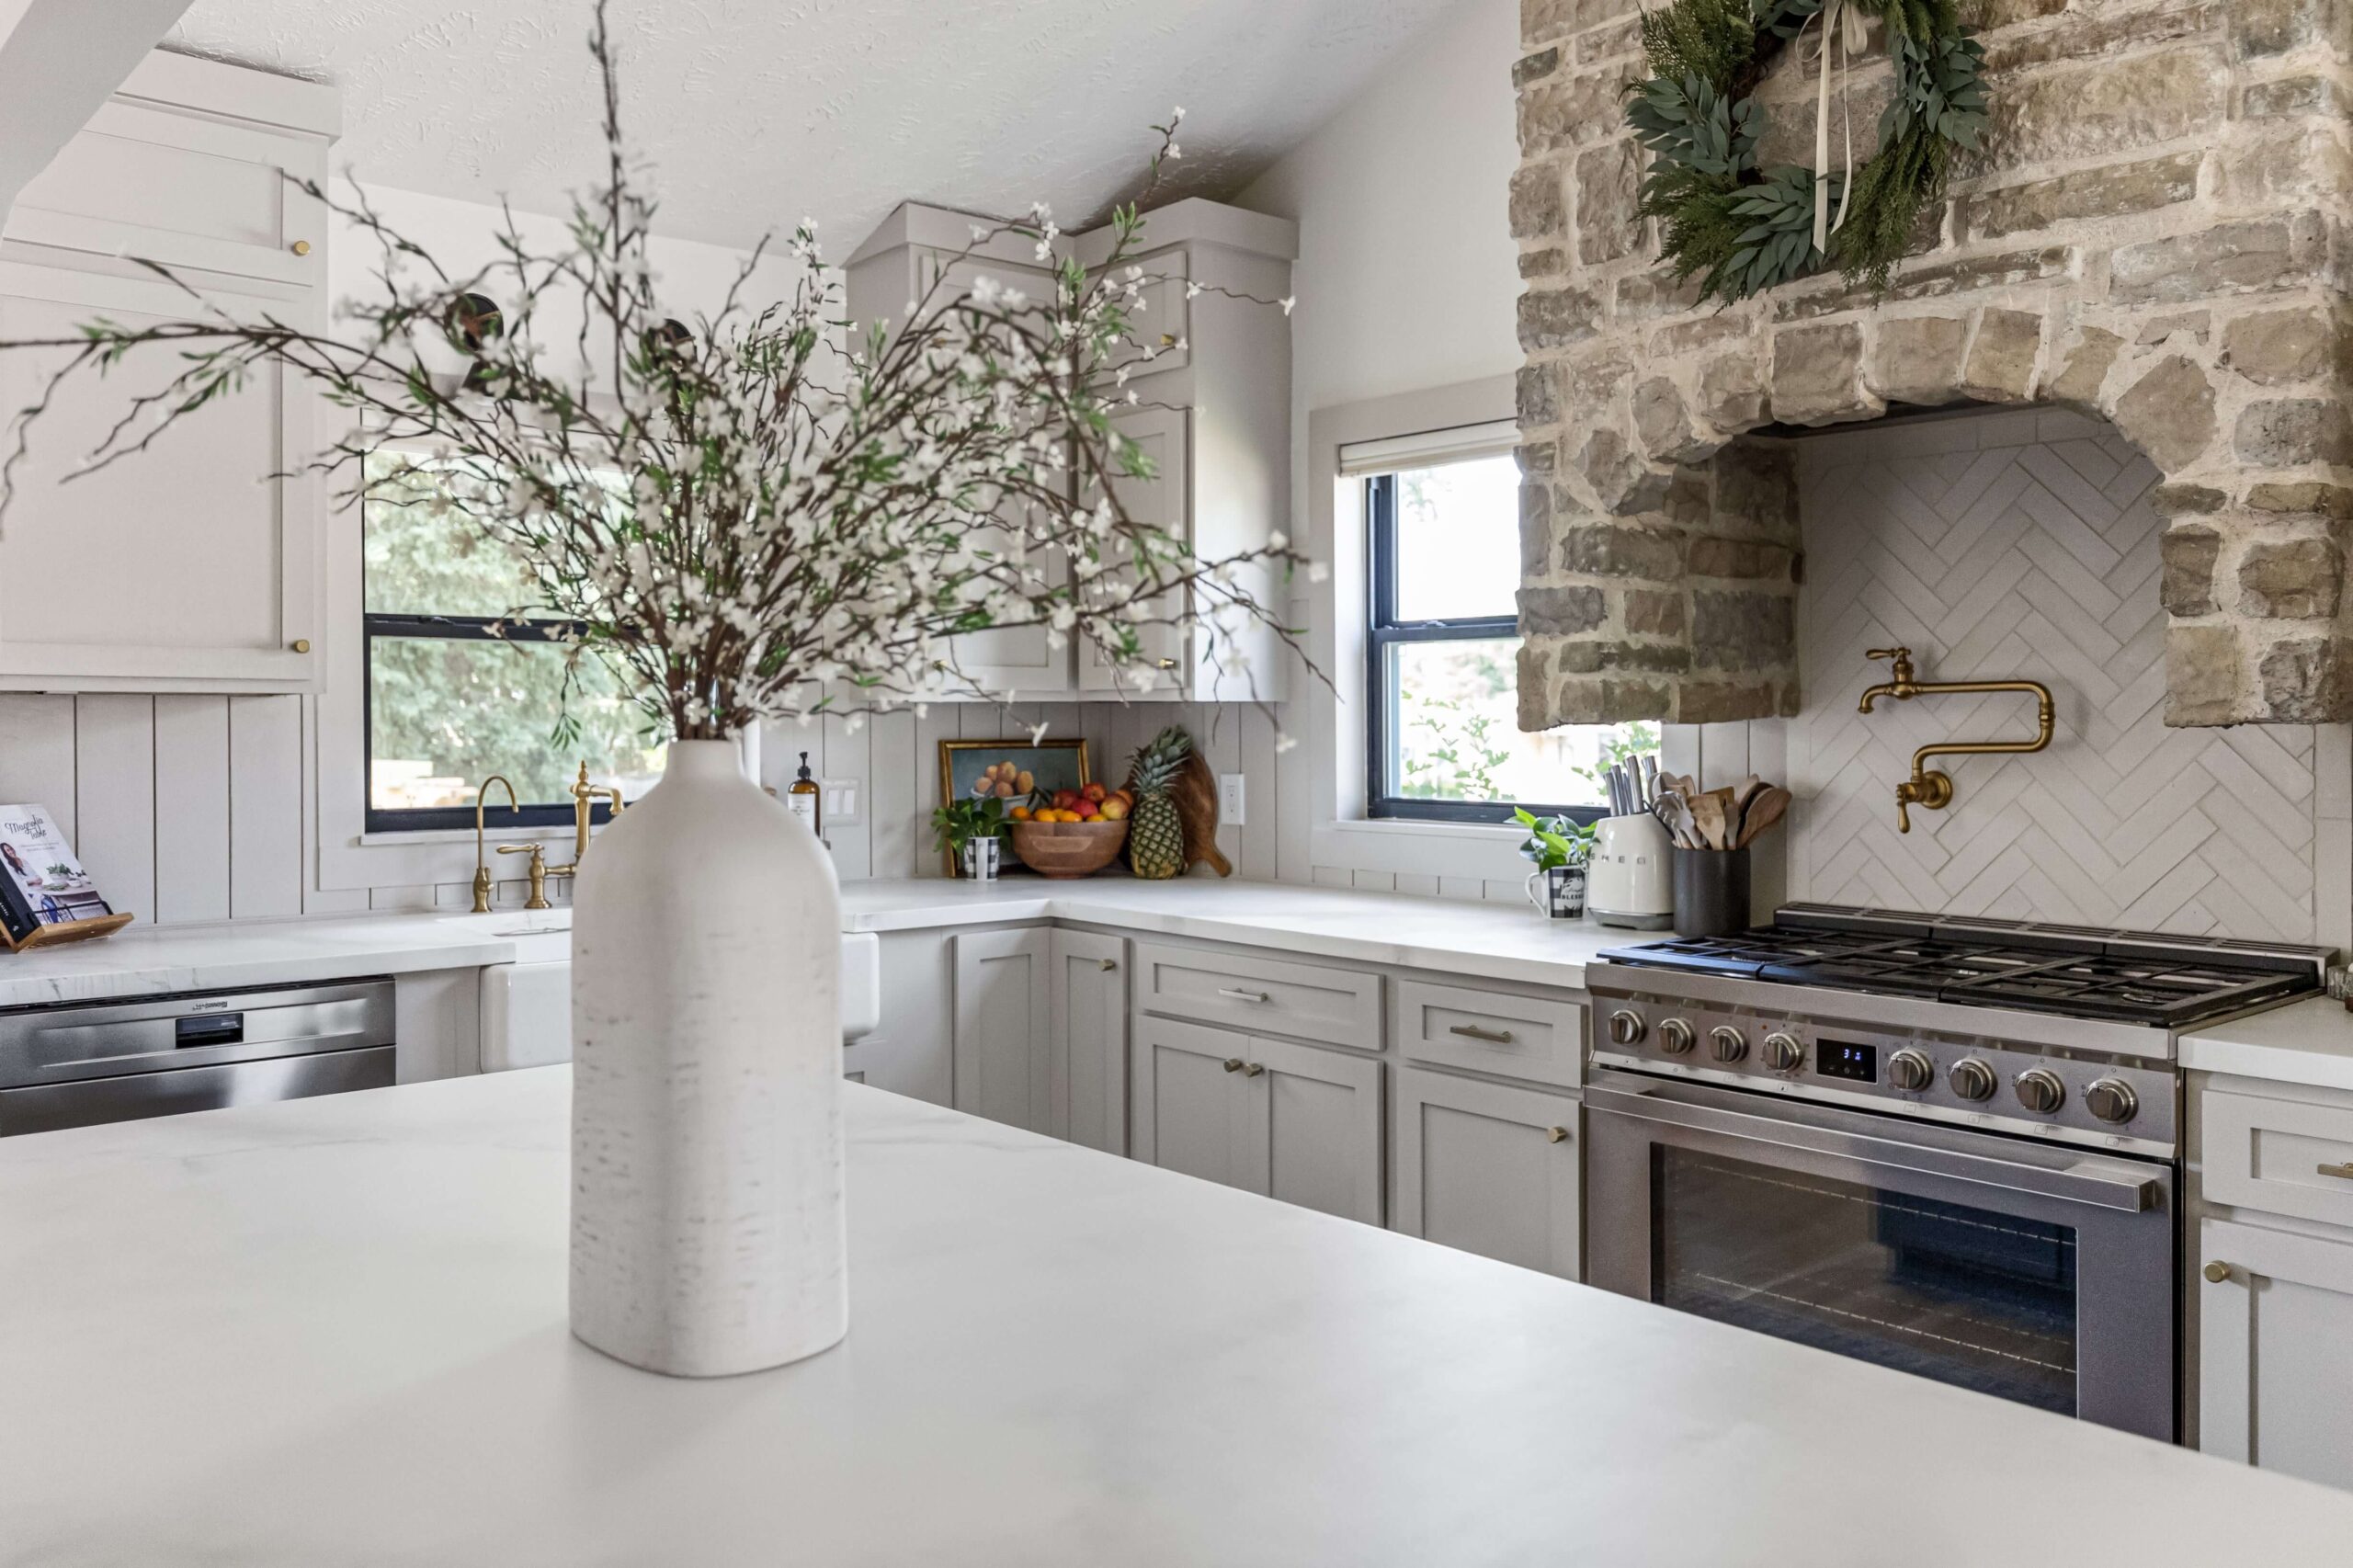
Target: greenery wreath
{"x":1744,"y":229}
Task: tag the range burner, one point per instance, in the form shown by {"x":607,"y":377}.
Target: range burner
{"x":2075,"y":971}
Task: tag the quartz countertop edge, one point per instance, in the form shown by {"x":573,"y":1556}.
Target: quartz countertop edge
{"x":333,"y":1327}
{"x":2308,"y":1042}
{"x":1491,"y":941}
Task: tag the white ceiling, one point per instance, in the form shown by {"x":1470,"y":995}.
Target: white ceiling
{"x":754,"y":112}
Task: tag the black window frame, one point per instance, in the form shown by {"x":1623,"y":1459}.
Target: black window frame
{"x":1384,"y":630}
{"x":453,"y":629}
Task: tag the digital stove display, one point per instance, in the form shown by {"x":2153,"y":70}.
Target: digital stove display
{"x":1842,"y":1058}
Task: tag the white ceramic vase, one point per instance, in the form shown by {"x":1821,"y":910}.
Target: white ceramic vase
{"x":706,"y":1222}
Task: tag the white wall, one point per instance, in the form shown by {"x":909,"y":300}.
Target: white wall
{"x":1407,"y":282}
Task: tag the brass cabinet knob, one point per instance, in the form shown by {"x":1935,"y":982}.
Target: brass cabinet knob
{"x":1233,"y":1064}
{"x":1557,"y":1134}
{"x":1167,"y":664}
{"x":301,"y":248}
{"x":1108,"y":965}
{"x":1254,"y":1069}
{"x":300,"y":644}
{"x":2217,"y":1273}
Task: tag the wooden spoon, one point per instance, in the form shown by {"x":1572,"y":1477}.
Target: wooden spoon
{"x":1767,"y":810}
{"x":1708,"y":820}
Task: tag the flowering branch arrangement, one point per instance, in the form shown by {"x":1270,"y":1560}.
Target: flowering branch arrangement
{"x":765,"y":512}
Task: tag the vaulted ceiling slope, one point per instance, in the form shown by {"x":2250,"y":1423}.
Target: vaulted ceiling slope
{"x":754,"y":112}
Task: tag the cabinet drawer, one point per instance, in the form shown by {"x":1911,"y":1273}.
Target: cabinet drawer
{"x":2279,"y":1156}
{"x":1260,"y":995}
{"x":1514,"y":1036}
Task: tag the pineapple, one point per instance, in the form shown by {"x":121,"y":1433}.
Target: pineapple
{"x":1155,"y":832}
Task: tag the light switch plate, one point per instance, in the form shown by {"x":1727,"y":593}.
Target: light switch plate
{"x":1229,"y":799}
{"x":838,"y":800}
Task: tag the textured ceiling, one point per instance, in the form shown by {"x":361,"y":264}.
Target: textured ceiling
{"x":753,"y":112}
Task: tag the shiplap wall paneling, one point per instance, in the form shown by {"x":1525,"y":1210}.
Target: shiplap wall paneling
{"x":264,"y":807}
{"x":191,"y":809}
{"x":114,"y":772}
{"x":37,"y":754}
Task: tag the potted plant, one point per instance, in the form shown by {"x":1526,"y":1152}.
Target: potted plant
{"x":1561,"y":847}
{"x":969,"y":830}
{"x":753,"y":515}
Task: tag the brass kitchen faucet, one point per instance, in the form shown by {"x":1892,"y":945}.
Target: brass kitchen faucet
{"x":584,"y":797}
{"x":1928,"y":787}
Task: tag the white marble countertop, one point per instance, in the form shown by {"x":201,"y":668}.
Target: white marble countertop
{"x":1498,"y":941}
{"x":2307,"y":1042}
{"x":332,"y":1331}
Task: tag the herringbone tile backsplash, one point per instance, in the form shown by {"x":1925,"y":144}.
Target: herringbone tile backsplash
{"x":2024,"y":545}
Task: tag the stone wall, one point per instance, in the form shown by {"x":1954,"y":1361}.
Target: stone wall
{"x":2154,"y":232}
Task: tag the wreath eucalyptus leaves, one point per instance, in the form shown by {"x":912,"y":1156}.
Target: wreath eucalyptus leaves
{"x":1742,"y":229}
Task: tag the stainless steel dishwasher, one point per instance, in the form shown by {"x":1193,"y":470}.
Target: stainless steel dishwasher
{"x":72,"y":1065}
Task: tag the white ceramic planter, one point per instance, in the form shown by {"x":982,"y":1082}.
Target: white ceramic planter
{"x":706,"y":1222}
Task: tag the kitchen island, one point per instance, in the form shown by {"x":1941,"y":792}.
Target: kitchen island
{"x":332,"y":1331}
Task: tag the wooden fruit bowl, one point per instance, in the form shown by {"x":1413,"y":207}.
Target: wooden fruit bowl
{"x":1068,"y":848}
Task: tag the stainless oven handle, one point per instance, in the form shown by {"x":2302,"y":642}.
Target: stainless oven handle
{"x":2102,"y":1184}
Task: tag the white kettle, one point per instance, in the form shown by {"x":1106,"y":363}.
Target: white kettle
{"x":1631,"y":881}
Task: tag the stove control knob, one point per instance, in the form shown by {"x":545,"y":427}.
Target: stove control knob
{"x":2039,"y":1090}
{"x":1675,"y":1037}
{"x":1783,"y":1053}
{"x":1626,"y":1027}
{"x":1728,"y":1043}
{"x":2112,"y":1100}
{"x":1972,"y":1080}
{"x":1911,"y":1070}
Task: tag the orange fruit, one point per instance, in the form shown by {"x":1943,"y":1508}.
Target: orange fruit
{"x":1019,"y":814}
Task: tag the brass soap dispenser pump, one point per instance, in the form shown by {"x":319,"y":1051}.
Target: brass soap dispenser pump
{"x":1929,"y":786}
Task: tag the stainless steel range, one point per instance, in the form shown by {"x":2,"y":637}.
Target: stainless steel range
{"x":1945,"y":1145}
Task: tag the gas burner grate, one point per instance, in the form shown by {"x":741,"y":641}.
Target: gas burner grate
{"x":2081,"y":971}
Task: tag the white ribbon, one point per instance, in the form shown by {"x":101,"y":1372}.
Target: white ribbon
{"x":1846,"y":31}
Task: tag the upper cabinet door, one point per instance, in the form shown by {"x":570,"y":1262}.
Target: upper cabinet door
{"x":197,"y":194}
{"x":1161,"y":500}
{"x":190,"y":566}
{"x":187,"y":566}
{"x":1159,"y":325}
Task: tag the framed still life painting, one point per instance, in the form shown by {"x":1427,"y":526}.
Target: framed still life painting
{"x":1015,"y":771}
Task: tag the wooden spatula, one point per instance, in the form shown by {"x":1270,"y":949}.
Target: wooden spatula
{"x":1763,"y":812}
{"x":1708,"y":820}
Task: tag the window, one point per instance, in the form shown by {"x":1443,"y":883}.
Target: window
{"x":1443,"y":649}
{"x":449,"y":702}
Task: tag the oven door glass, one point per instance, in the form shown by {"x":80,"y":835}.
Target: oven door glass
{"x":1967,"y":1296}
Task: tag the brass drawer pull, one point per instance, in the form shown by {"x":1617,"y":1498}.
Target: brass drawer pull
{"x":2343,"y":1172}
{"x":1108,"y":965}
{"x":1255,"y":1069}
{"x":1557,"y":1134}
{"x":2217,"y":1273}
{"x":1472,"y":1031}
{"x":1243,"y":996}
{"x":1233,"y":1064}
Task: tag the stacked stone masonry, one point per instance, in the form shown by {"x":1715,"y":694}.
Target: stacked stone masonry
{"x":2154,"y":230}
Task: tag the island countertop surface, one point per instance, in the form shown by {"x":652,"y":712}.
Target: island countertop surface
{"x":331,"y":1332}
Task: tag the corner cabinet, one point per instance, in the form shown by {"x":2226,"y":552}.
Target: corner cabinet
{"x":192,"y":567}
{"x":1041,"y":1033}
{"x":1211,"y":414}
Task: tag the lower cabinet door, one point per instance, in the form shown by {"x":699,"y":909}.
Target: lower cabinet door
{"x":2275,"y":1378}
{"x":1005,"y":1067}
{"x":1489,"y":1169}
{"x":1090,"y":1037}
{"x":1312,"y":1127}
{"x":1188,"y":1105}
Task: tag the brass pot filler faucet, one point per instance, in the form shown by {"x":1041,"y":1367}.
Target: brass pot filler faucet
{"x":1928,"y":787}
{"x":584,"y":797}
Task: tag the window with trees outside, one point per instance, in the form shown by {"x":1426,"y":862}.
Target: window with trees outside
{"x":459,"y":690}
{"x":1443,"y":647}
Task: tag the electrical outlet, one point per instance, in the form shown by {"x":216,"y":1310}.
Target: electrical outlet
{"x":1229,"y":799}
{"x":838,"y":800}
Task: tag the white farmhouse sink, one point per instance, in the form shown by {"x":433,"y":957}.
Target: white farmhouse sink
{"x":527,"y":1005}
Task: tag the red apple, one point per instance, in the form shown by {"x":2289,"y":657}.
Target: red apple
{"x":1086,"y":810}
{"x":1066,"y":800}
{"x":1095,"y":792}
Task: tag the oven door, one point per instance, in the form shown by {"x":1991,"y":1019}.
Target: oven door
{"x":2033,"y":1272}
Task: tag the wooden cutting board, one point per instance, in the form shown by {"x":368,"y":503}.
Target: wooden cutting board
{"x":1195,"y":792}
